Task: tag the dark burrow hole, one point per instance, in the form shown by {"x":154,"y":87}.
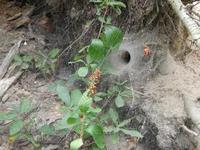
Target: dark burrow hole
{"x":125,"y":57}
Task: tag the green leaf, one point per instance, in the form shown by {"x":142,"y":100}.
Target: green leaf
{"x":119,"y":102}
{"x":25,"y":106}
{"x":118,"y":10}
{"x":97,"y":99}
{"x":85,"y":105}
{"x":113,"y":115}
{"x":83,"y":71}
{"x":61,"y":124}
{"x":7,"y":116}
{"x":109,"y":20}
{"x":63,"y":93}
{"x":117,"y":4}
{"x":124,"y":123}
{"x":101,"y":19}
{"x":127,"y":93}
{"x":95,"y":110}
{"x":76,"y":96}
{"x":53,"y":86}
{"x":76,"y":144}
{"x":27,"y":58}
{"x":101,"y":94}
{"x":47,"y":130}
{"x":133,"y":133}
{"x":85,"y":102}
{"x":71,"y":120}
{"x":53,"y":53}
{"x":88,"y":59}
{"x":16,"y":127}
{"x":18,"y":58}
{"x":96,"y":132}
{"x":96,"y":50}
{"x":112,"y":37}
{"x":94,"y":147}
{"x":96,"y":1}
{"x":93,"y":66}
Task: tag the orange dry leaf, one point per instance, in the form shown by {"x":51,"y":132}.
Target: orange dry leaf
{"x":147,"y":50}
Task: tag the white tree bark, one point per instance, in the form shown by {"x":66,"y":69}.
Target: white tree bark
{"x":189,"y":23}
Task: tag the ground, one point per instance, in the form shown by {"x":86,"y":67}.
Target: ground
{"x":159,"y":88}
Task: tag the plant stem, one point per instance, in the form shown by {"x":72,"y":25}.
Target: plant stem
{"x":31,"y":139}
{"x":102,"y":23}
{"x":82,"y":127}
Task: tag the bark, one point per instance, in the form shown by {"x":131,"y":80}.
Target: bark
{"x":6,"y":62}
{"x":6,"y":83}
{"x":189,"y":23}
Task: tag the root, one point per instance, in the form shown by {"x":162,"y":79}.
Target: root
{"x":190,"y":24}
{"x":192,"y":109}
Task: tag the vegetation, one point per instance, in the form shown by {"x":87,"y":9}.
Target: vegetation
{"x":82,"y":115}
{"x":20,"y":122}
{"x":46,"y":64}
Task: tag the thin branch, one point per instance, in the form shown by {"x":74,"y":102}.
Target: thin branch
{"x":189,"y":130}
{"x":77,"y":39}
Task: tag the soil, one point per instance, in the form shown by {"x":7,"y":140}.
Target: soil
{"x":159,"y":80}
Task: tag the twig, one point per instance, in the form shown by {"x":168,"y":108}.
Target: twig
{"x":189,"y":130}
{"x":101,"y":27}
{"x":9,"y":57}
{"x":77,"y":39}
{"x":6,"y":83}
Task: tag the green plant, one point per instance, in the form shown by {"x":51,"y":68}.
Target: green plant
{"x":82,"y":115}
{"x":99,"y":49}
{"x":116,"y":126}
{"x":103,"y":7}
{"x":109,"y":38}
{"x":120,"y":92}
{"x":45,"y":63}
{"x":104,"y":4}
{"x":20,"y":122}
{"x":85,"y":118}
{"x":80,"y":112}
{"x":117,"y":91}
{"x":23,"y":61}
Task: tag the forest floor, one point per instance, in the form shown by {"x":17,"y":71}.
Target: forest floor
{"x":162,"y":110}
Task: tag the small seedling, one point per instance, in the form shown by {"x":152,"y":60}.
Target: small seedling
{"x":23,"y":61}
{"x":46,"y":64}
{"x":116,"y":126}
{"x":20,"y":122}
{"x":80,"y":116}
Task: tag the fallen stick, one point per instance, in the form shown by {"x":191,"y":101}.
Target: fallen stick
{"x":9,"y":57}
{"x":16,"y":16}
{"x":6,"y":83}
{"x":189,"y":130}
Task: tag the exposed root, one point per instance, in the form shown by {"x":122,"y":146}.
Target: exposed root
{"x":192,"y":109}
